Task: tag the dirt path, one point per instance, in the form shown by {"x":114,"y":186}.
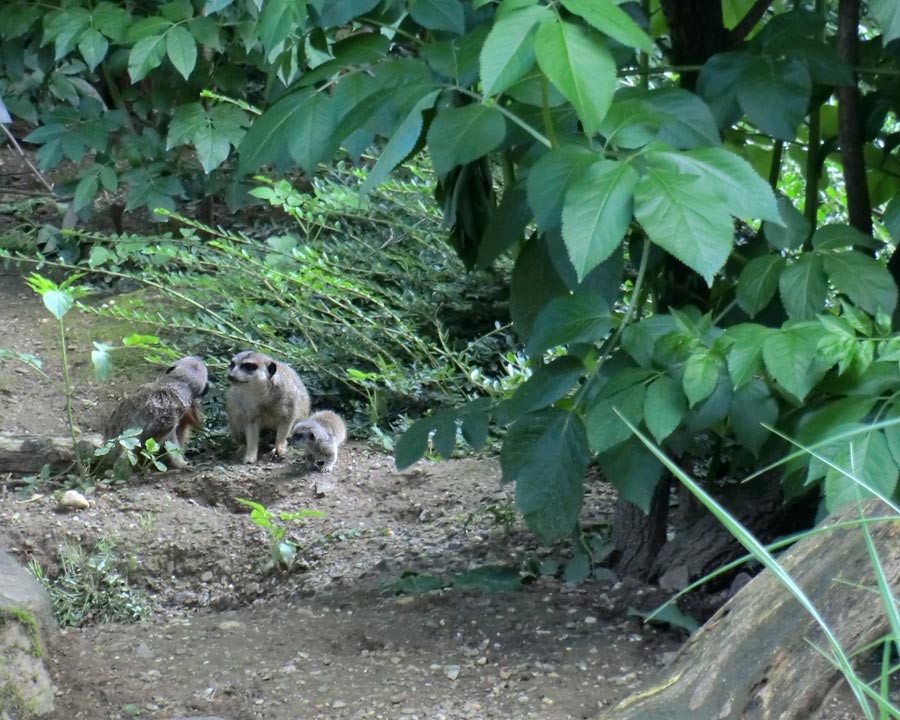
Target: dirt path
{"x":232,"y":639}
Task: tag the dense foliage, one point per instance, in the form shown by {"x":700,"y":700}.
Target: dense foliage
{"x":666,"y":180}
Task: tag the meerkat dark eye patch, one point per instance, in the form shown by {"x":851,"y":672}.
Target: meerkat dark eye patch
{"x":248,"y":367}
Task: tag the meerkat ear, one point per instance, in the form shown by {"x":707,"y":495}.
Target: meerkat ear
{"x":170,"y":369}
{"x":272,"y":368}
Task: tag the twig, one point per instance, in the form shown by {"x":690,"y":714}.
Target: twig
{"x":27,"y":161}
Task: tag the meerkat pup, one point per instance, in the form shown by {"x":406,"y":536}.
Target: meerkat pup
{"x":166,"y":409}
{"x":265,"y":394}
{"x":321,"y":434}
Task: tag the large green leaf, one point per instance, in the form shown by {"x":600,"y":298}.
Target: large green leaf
{"x":58,"y":302}
{"x":751,"y":406}
{"x":891,"y":219}
{"x":186,"y":121}
{"x":545,"y":454}
{"x":664,"y":406}
{"x":549,"y":179}
{"x":717,"y":85}
{"x":774,"y":93}
{"x":744,"y":193}
{"x":758,"y":282}
{"x":579,"y":318}
{"x":701,"y":375}
{"x":300,"y":123}
{"x":146,"y":55}
{"x":461,"y":134}
{"x":446,"y":15}
{"x":790,"y":356}
{"x":607,"y":17}
{"x":548,"y":384}
{"x":863,"y":279}
{"x":887,"y":13}
{"x":457,"y":59}
{"x":839,"y":236}
{"x":506,"y":226}
{"x":580,"y":66}
{"x":803,"y":287}
{"x":791,"y":232}
{"x":402,"y":142}
{"x":534,"y":283}
{"x":682,"y":216}
{"x":744,"y":355}
{"x":335,"y":13}
{"x":633,"y":471}
{"x":182,"y":50}
{"x":631,"y":122}
{"x":413,"y":444}
{"x":93,"y":46}
{"x":867,"y":458}
{"x":604,"y":428}
{"x":596,"y":213}
{"x":508,"y":50}
{"x":355,"y":51}
{"x":687,"y":120}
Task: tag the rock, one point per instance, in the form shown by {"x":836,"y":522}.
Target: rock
{"x":25,"y":623}
{"x":73,"y":500}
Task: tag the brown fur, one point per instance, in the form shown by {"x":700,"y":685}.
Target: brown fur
{"x":321,"y":434}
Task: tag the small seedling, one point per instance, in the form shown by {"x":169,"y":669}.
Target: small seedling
{"x":284,"y":552}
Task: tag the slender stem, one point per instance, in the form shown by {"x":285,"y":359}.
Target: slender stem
{"x":506,"y":113}
{"x":775,"y":168}
{"x":545,"y":112}
{"x":70,"y":415}
{"x":25,"y":158}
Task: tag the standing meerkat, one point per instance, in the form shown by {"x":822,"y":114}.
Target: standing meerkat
{"x":265,"y":394}
{"x":166,"y":409}
{"x":321,"y":434}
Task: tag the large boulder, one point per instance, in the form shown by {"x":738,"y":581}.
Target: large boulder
{"x":26,"y":622}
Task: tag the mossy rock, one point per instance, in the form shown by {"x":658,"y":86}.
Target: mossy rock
{"x":26,"y":622}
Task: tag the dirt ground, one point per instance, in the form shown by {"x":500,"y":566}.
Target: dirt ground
{"x":230,"y":638}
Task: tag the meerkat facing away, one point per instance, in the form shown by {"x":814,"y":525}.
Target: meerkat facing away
{"x":265,"y":394}
{"x":321,"y":434}
{"x":166,"y":409}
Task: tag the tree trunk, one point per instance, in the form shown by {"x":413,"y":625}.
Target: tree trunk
{"x":639,"y":537}
{"x":27,"y":454}
{"x":697,"y":32}
{"x":756,"y":658}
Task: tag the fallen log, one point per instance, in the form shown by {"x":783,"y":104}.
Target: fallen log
{"x":756,"y":657}
{"x":27,"y":454}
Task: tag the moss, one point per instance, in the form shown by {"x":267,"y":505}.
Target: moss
{"x":27,"y":621}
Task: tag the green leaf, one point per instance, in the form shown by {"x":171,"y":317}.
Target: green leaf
{"x":476,"y":420}
{"x":744,"y":193}
{"x":791,"y":232}
{"x":580,"y":66}
{"x":402,"y":142}
{"x":93,"y":46}
{"x":892,"y":432}
{"x":839,"y":237}
{"x":444,"y":439}
{"x":701,"y":375}
{"x":413,"y":443}
{"x":891,"y":219}
{"x":863,"y":279}
{"x":867,"y":458}
{"x":758,"y":282}
{"x":752,"y":405}
{"x":774,"y":93}
{"x":276,"y":23}
{"x":596,"y":213}
{"x":111,"y":20}
{"x":664,"y":406}
{"x":579,"y":318}
{"x":182,"y":50}
{"x":505,"y":228}
{"x":633,"y":471}
{"x":85,"y":191}
{"x":546,"y":455}
{"x":682,"y":216}
{"x":459,"y":135}
{"x":534,"y":283}
{"x":212,"y":147}
{"x":489,"y":578}
{"x":102,"y":364}
{"x":334,"y":13}
{"x":146,"y":55}
{"x":177,"y":10}
{"x":548,"y":384}
{"x":790,"y":355}
{"x":186,"y":122}
{"x":717,"y":85}
{"x":356,"y":50}
{"x":58,"y":302}
{"x":550,"y":178}
{"x":687,"y":120}
{"x":887,"y":13}
{"x":744,"y":343}
{"x":154,"y":26}
{"x":605,"y":429}
{"x":607,"y":17}
{"x":508,"y":51}
{"x":631,"y":122}
{"x":803,"y":287}
{"x":444,"y":15}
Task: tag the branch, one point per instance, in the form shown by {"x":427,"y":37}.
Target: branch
{"x":739,"y":32}
{"x":27,"y":161}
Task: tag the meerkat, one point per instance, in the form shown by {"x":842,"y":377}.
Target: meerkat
{"x":265,"y":394}
{"x":321,"y":434}
{"x":166,"y":409}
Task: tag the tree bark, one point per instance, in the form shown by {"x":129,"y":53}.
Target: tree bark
{"x":639,"y":537}
{"x":755,"y":659}
{"x":697,"y":31}
{"x":27,"y":454}
{"x":850,"y":129}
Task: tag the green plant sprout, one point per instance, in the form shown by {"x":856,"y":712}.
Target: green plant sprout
{"x":284,"y":552}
